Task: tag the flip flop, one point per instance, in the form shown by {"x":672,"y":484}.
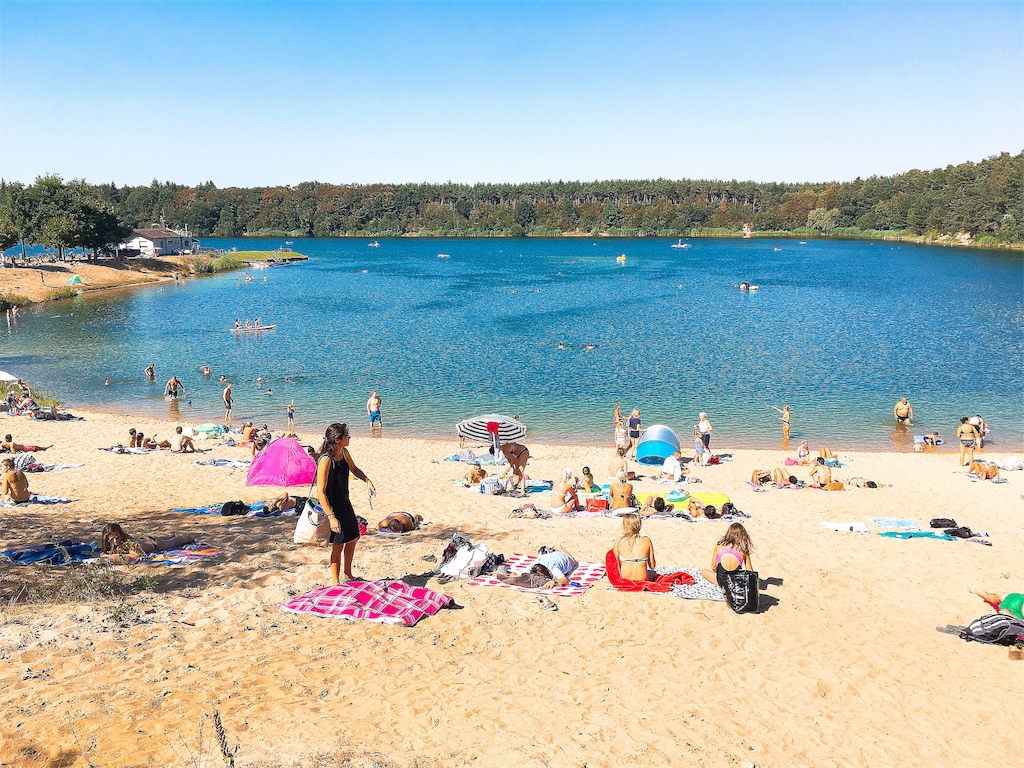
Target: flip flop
{"x":546,"y":603}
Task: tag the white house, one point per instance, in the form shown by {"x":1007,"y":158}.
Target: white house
{"x":161,"y":241}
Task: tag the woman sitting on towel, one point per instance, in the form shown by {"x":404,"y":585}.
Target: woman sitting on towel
{"x":476,"y":474}
{"x":563,"y":495}
{"x":621,"y":493}
{"x":115,"y":541}
{"x":634,"y":552}
{"x":803,"y":453}
{"x":13,"y":483}
{"x":587,"y":485}
{"x":731,"y":553}
{"x":986,"y":470}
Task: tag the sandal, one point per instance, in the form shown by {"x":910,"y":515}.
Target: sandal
{"x":546,"y":603}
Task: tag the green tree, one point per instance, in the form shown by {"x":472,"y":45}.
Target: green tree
{"x":822,"y":220}
{"x":526,"y":214}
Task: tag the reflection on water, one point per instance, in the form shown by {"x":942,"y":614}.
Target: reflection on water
{"x":839,"y":330}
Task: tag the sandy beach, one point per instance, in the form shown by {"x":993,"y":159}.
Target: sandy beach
{"x":842,"y":667}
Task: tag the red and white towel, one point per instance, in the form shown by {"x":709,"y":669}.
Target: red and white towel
{"x":586,"y":575}
{"x":387,"y":602}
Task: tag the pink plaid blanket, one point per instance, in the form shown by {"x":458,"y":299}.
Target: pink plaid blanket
{"x":586,"y":575}
{"x":389,"y":602}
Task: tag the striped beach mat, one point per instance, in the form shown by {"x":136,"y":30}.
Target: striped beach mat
{"x":586,"y":575}
{"x":387,"y":602}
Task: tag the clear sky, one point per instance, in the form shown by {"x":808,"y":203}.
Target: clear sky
{"x":260,"y":93}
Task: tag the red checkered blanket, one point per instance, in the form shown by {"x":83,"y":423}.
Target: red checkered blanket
{"x":388,"y":602}
{"x":586,"y":575}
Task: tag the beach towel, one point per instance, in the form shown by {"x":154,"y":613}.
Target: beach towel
{"x":123,"y":449}
{"x":52,"y":467}
{"x":233,"y":463}
{"x":387,"y":602}
{"x":662,"y":584}
{"x":54,"y":554}
{"x":854,"y":527}
{"x":700,"y":589}
{"x":917,"y":535}
{"x":732,"y":517}
{"x":187,"y":555}
{"x":895,"y":522}
{"x":35,"y":498}
{"x":580,"y":580}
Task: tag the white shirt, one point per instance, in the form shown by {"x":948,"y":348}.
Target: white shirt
{"x":704,"y":426}
{"x":672,"y":468}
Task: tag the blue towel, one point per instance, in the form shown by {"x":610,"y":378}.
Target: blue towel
{"x":917,"y":535}
{"x":54,"y":554}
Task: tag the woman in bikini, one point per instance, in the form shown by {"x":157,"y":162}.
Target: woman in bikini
{"x":400,"y":522}
{"x":621,"y":493}
{"x":634,"y":552}
{"x":13,"y":483}
{"x":517,"y":455}
{"x":731,"y":553}
{"x":563,"y":496}
{"x":803,"y":453}
{"x":968,"y":437}
{"x":114,"y":540}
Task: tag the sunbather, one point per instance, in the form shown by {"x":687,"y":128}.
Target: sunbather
{"x":655,"y":505}
{"x":563,"y":494}
{"x":731,"y":553}
{"x":284,"y":502}
{"x":114,"y":540}
{"x":247,"y":431}
{"x":554,"y":568}
{"x":986,"y":470}
{"x":860,"y":482}
{"x":782,"y":477}
{"x":619,"y":462}
{"x":400,"y":522}
{"x":13,"y":483}
{"x":761,"y":476}
{"x":672,"y":469}
{"x":9,"y":446}
{"x":968,"y":437}
{"x":821,"y":473}
{"x":634,"y":552}
{"x":621,"y":493}
{"x":476,"y":474}
{"x":181,"y":443}
{"x":587,"y":484}
{"x":803,"y":453}
{"x":1011,"y":603}
{"x":825,"y":453}
{"x":697,"y":508}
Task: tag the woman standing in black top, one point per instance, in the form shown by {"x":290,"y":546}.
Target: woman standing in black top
{"x":332,"y":470}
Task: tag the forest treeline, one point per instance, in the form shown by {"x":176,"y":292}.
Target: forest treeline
{"x":984,"y":199}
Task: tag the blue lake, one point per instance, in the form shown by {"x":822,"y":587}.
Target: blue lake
{"x":838,"y":330}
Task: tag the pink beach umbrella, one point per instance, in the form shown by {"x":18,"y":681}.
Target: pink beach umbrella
{"x":283,"y":462}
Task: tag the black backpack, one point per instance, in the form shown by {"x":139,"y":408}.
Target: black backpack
{"x":234,"y":508}
{"x":994,"y":629}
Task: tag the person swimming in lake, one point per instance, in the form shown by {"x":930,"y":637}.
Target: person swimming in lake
{"x":150,"y":372}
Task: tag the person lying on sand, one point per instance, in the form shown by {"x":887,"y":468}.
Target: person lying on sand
{"x":634,"y":552}
{"x":13,"y":483}
{"x":732,"y":552}
{"x":553,"y":567}
{"x":986,"y":470}
{"x":761,"y":476}
{"x":400,"y":522}
{"x":698,"y":508}
{"x":476,"y":474}
{"x":284,"y":502}
{"x":181,"y":443}
{"x":781,"y":476}
{"x":563,"y":494}
{"x":1011,"y":603}
{"x":113,"y":540}
{"x":655,"y":505}
{"x":9,"y":446}
{"x":860,"y":482}
{"x":826,"y":453}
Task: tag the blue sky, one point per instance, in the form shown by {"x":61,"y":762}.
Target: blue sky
{"x":258,"y":93}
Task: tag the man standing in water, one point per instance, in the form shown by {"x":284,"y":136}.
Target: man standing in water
{"x":150,"y":372}
{"x":373,"y":410}
{"x":228,"y":402}
{"x":903,"y":411}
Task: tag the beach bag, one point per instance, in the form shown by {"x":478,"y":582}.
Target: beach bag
{"x":835,"y":485}
{"x":994,"y":629}
{"x":490,"y":486}
{"x":943,"y":522}
{"x":741,"y":589}
{"x":597,"y":505}
{"x":234,"y":508}
{"x":467,"y":562}
{"x":313,"y":526}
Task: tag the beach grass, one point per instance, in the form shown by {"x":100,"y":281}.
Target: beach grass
{"x":9,"y":300}
{"x":41,"y":396}
{"x":85,"y":583}
{"x":63,"y":292}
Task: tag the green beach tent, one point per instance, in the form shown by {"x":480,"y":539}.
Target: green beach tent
{"x":76,"y":280}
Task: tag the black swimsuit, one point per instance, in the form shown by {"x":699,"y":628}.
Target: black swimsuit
{"x":341,"y":506}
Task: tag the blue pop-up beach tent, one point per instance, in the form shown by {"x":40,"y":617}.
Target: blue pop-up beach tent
{"x":657,"y":443}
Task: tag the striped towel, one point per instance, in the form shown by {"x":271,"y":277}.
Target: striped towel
{"x":586,"y":575}
{"x":387,"y":602}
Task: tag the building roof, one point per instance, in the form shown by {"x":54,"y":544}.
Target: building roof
{"x":152,"y":234}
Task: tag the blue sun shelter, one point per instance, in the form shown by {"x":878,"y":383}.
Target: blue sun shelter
{"x":657,"y":443}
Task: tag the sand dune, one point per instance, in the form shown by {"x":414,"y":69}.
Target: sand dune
{"x":843,"y":666}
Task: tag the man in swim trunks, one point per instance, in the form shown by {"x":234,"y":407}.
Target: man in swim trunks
{"x":373,"y":409}
{"x":228,"y":401}
{"x":903,"y":411}
{"x":172,"y":386}
{"x":181,"y":443}
{"x":9,"y":446}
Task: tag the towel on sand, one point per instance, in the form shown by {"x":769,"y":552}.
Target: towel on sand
{"x":191,"y":553}
{"x":35,"y":498}
{"x":700,"y":589}
{"x":54,"y":554}
{"x":387,"y":602}
{"x":854,"y":527}
{"x":895,"y":522}
{"x":663,"y":584}
{"x":586,"y":575}
{"x":917,"y":535}
{"x":233,"y":463}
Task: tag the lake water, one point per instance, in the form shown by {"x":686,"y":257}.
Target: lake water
{"x":838,"y":330}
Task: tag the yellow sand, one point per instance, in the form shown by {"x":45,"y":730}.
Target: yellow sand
{"x":844,"y":668}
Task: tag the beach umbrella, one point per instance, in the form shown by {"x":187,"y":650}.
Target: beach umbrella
{"x":5,"y":376}
{"x":656,"y":444}
{"x":75,"y":280}
{"x":283,"y":462}
{"x":483,"y":428}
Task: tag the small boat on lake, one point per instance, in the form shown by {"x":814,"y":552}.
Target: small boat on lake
{"x":443,"y":256}
{"x":252,"y":328}
{"x":680,"y":244}
{"x":374,"y":244}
